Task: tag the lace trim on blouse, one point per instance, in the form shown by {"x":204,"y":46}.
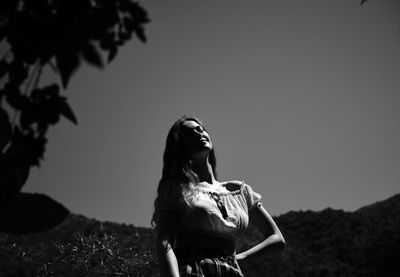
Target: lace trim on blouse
{"x":216,"y":196}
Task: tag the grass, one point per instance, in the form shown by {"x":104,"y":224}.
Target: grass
{"x":81,"y":253}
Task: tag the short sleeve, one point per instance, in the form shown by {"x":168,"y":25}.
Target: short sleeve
{"x":252,"y":198}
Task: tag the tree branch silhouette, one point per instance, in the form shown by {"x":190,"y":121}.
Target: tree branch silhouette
{"x":59,"y":34}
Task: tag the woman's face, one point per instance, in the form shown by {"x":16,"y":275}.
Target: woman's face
{"x":196,"y":140}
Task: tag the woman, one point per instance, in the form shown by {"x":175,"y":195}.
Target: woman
{"x":196,"y":217}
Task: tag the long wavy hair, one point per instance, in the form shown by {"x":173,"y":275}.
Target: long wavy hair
{"x":178,"y":179}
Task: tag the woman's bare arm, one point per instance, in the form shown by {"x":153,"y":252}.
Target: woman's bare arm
{"x":166,"y":230}
{"x":273,"y":242}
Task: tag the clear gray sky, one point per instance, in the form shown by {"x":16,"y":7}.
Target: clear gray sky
{"x":302,"y":100}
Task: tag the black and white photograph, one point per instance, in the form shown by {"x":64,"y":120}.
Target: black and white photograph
{"x":203,"y":138}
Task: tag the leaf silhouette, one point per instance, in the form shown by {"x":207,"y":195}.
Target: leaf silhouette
{"x":36,"y":147}
{"x":66,"y":110}
{"x":139,"y":31}
{"x":91,"y":55}
{"x":52,"y":90}
{"x":14,"y":165}
{"x":18,"y":72}
{"x":67,"y":63}
{"x":50,"y":111}
{"x":29,"y":115}
{"x":5,"y":129}
{"x":15,"y":98}
{"x":3,"y":68}
{"x":112,"y":53}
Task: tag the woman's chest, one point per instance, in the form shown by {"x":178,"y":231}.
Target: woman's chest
{"x":216,"y":212}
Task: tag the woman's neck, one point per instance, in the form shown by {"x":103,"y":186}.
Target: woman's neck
{"x":204,"y":170}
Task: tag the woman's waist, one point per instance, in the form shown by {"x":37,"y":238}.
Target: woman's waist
{"x":205,"y":242}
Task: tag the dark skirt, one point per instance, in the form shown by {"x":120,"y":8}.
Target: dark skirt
{"x":206,"y":263}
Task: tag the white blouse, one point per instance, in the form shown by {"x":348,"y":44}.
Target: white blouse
{"x":224,"y":214}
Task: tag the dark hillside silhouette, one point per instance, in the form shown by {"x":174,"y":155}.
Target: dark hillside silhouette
{"x":335,"y":243}
{"x":324,"y":243}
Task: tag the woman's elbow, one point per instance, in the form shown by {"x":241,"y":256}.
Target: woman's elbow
{"x":278,"y":242}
